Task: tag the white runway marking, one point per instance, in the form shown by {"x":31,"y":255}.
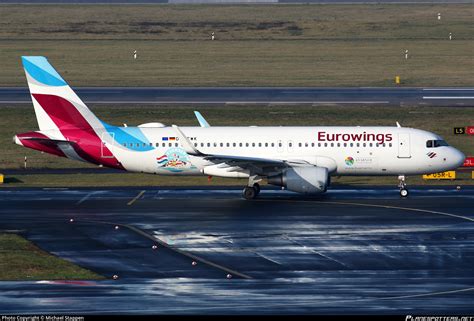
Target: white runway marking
{"x":213,"y":102}
{"x":402,"y":208}
{"x":267,"y":258}
{"x":316,"y":252}
{"x":85,"y":198}
{"x":427,"y":294}
{"x":420,"y":295}
{"x":448,"y":97}
{"x":136,"y":198}
{"x":448,"y":89}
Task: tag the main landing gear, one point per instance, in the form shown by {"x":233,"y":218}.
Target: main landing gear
{"x":403,"y":186}
{"x":253,"y":189}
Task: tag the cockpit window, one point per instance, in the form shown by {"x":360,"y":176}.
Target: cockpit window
{"x":435,"y":143}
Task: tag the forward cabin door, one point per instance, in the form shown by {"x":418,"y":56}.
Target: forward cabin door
{"x":106,"y":149}
{"x":404,"y":146}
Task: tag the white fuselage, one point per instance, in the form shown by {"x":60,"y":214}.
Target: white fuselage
{"x":343,"y":150}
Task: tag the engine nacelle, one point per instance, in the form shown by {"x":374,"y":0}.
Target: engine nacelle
{"x":308,"y":180}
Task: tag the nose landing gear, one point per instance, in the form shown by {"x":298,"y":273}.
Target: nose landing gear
{"x":403,"y":186}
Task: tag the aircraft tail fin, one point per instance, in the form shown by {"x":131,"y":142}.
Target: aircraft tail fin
{"x":57,"y":107}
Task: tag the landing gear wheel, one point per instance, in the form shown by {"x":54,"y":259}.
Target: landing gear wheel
{"x":257,"y":188}
{"x":249,"y":193}
{"x":403,"y":192}
{"x":403,"y":186}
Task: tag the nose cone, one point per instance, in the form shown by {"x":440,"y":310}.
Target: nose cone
{"x":457,"y":158}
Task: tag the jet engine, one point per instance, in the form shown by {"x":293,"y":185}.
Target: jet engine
{"x":308,"y":180}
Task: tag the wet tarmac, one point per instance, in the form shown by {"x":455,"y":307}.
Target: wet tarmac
{"x":180,"y":251}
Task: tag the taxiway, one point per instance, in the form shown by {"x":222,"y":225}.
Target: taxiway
{"x":349,"y":251}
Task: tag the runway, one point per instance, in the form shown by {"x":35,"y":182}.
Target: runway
{"x":377,"y":96}
{"x":220,"y":2}
{"x":350,"y":251}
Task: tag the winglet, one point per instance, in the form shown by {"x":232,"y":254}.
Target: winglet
{"x":398,"y":125}
{"x":187,"y":145}
{"x":201,"y":119}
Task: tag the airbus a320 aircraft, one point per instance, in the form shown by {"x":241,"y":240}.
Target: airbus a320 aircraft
{"x":300,"y":159}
